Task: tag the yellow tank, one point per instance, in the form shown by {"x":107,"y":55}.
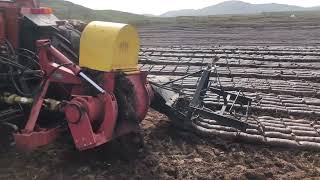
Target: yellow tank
{"x":106,"y":46}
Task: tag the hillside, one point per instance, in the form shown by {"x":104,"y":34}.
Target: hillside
{"x":68,"y":10}
{"x":236,"y":7}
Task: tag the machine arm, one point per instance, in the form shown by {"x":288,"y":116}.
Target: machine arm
{"x":65,"y":62}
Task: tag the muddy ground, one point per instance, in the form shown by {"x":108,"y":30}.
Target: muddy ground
{"x":168,"y":154}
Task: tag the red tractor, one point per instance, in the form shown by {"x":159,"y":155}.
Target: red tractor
{"x":54,"y":78}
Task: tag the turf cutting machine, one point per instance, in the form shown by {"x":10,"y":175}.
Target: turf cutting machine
{"x":54,"y":79}
{"x":187,"y":109}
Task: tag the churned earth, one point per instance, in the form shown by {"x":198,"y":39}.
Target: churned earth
{"x":168,"y":154}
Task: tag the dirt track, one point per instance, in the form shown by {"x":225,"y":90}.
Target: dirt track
{"x":170,"y":153}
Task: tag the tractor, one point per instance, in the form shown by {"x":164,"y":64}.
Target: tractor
{"x":55,"y":79}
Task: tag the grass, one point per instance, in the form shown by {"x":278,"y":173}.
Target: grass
{"x":67,"y":10}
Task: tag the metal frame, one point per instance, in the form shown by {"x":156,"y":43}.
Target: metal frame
{"x":227,"y":115}
{"x":82,"y":112}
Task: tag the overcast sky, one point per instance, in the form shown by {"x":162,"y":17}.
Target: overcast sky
{"x":161,"y":6}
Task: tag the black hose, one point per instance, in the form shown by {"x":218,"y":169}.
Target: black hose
{"x":46,"y":78}
{"x":12,"y":62}
{"x":10,"y":48}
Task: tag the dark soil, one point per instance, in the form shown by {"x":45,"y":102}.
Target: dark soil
{"x":168,"y":154}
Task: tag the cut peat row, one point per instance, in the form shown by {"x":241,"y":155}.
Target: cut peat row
{"x":228,"y":63}
{"x":294,"y":59}
{"x":282,"y":131}
{"x":232,"y":72}
{"x":279,"y":51}
{"x":296,"y":88}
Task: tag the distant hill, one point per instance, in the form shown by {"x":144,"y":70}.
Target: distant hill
{"x":236,"y":7}
{"x":68,"y":10}
{"x":183,"y":12}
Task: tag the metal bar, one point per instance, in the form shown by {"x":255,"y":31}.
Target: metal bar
{"x":36,"y":108}
{"x":183,"y":77}
{"x":62,"y":59}
{"x":217,"y":77}
{"x":201,"y":89}
{"x":221,"y":119}
{"x":235,"y":100}
{"x":248,"y":108}
{"x":36,"y":73}
{"x":92,"y":82}
{"x":225,"y":104}
{"x":74,"y":68}
{"x":167,"y":88}
{"x":242,"y":99}
{"x":14,"y":99}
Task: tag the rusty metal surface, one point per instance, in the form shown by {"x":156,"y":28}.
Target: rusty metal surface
{"x":283,"y":81}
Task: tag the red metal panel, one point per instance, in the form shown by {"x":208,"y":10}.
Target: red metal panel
{"x":2,"y":27}
{"x":12,"y":16}
{"x":108,"y":125}
{"x":83,"y":111}
{"x":12,"y":25}
{"x":80,"y":121}
{"x":33,"y":140}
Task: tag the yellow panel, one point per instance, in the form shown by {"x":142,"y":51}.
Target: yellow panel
{"x":107,"y":46}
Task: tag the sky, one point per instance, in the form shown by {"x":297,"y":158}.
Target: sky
{"x":158,"y":7}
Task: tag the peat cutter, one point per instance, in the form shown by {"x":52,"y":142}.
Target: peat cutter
{"x":53,"y":80}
